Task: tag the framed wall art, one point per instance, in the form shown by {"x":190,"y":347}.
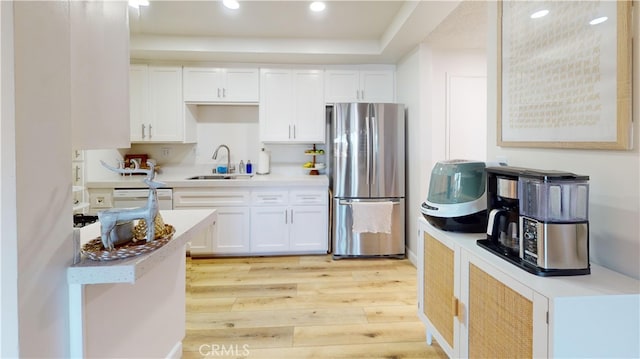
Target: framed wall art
{"x":564,"y":74}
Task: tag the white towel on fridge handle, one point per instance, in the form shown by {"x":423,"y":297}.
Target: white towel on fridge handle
{"x":372,"y":217}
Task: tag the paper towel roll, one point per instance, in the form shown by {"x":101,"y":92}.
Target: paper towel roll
{"x":263,"y":163}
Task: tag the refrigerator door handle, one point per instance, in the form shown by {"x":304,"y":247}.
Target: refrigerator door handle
{"x":373,"y":128}
{"x":348,"y":202}
{"x":367,"y":124}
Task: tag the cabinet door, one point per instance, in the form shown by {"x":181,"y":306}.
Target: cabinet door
{"x":165,"y":103}
{"x":202,"y":244}
{"x":242,"y":85}
{"x":276,"y":114}
{"x":233,"y":231}
{"x":377,"y":86}
{"x":342,"y":86}
{"x":202,"y":84}
{"x":440,"y":304}
{"x":138,"y":101}
{"x":99,"y":59}
{"x":501,"y":313}
{"x":269,"y":229}
{"x":309,"y":229}
{"x":309,"y":116}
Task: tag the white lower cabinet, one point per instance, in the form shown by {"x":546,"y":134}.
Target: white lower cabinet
{"x":260,"y":221}
{"x":231,"y":233}
{"x":477,"y":305}
{"x":298,"y":224}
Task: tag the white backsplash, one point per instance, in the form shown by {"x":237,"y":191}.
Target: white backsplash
{"x":235,"y":126}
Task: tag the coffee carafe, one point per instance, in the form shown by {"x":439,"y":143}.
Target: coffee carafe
{"x":503,"y":211}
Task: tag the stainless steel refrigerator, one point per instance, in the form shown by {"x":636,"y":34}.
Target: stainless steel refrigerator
{"x":367,"y":151}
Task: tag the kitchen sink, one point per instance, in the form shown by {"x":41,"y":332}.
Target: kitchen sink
{"x":221,"y":176}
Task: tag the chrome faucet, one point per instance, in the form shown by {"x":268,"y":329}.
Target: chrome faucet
{"x":215,"y":156}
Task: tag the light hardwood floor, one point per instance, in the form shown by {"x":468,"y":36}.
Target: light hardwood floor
{"x":303,"y":307}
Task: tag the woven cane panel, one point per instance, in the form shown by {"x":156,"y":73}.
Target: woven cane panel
{"x":438,"y":286}
{"x":500,"y":319}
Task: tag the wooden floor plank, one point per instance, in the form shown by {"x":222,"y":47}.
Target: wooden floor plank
{"x":323,"y":301}
{"x":394,"y":313}
{"x":260,"y":319}
{"x":223,"y":291}
{"x":351,"y":286}
{"x":270,"y":337}
{"x":358,"y":333}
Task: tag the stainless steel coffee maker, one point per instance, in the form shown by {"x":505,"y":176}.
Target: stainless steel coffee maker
{"x":554,"y":221}
{"x":538,"y":220}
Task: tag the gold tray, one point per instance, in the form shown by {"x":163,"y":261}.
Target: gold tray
{"x":94,"y":249}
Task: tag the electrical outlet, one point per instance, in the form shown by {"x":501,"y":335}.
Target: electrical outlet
{"x":165,"y":152}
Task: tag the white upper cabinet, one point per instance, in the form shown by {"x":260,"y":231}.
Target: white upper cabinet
{"x":157,"y":109}
{"x":220,"y":85}
{"x":292,"y":105}
{"x":360,"y":85}
{"x":99,"y":46}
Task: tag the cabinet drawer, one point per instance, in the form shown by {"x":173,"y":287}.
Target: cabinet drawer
{"x":206,"y":199}
{"x":269,"y":197}
{"x":309,"y":197}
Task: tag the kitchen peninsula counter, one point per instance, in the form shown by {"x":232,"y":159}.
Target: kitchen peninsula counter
{"x":134,"y":307}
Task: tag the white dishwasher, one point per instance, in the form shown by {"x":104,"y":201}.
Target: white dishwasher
{"x":137,"y":197}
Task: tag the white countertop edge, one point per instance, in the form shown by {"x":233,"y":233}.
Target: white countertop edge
{"x":187,"y":224}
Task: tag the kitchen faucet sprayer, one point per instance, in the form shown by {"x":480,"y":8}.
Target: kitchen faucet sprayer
{"x":215,"y":156}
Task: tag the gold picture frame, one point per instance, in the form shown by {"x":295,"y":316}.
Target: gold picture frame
{"x":559,"y":85}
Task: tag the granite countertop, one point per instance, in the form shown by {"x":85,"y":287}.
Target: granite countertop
{"x":177,"y":177}
{"x":187,"y":224}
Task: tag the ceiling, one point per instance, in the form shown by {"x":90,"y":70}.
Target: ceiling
{"x":288,"y":32}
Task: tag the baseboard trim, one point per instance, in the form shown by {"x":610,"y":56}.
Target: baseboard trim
{"x":176,"y":351}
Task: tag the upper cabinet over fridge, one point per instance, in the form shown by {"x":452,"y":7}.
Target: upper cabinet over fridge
{"x":360,"y":84}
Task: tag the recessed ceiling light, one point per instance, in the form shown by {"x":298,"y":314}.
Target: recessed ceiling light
{"x":231,"y":4}
{"x":539,"y":14}
{"x":598,"y":20}
{"x":137,"y":3}
{"x":317,"y":6}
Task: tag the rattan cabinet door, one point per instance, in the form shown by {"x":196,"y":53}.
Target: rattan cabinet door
{"x":500,"y":319}
{"x":439,"y":300}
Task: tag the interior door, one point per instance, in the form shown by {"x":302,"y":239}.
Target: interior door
{"x":351,"y":150}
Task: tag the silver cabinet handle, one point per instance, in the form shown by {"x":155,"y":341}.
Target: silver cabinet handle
{"x":143,"y":136}
{"x":292,"y":216}
{"x":289,"y":131}
{"x":218,"y":92}
{"x":149,"y":131}
{"x":77,"y":173}
{"x":224,"y":92}
{"x":285,"y":217}
{"x":294,"y":131}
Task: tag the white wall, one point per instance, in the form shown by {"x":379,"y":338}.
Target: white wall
{"x":8,"y":237}
{"x":424,"y":85}
{"x":408,"y":81}
{"x":614,"y":203}
{"x":43,"y":177}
